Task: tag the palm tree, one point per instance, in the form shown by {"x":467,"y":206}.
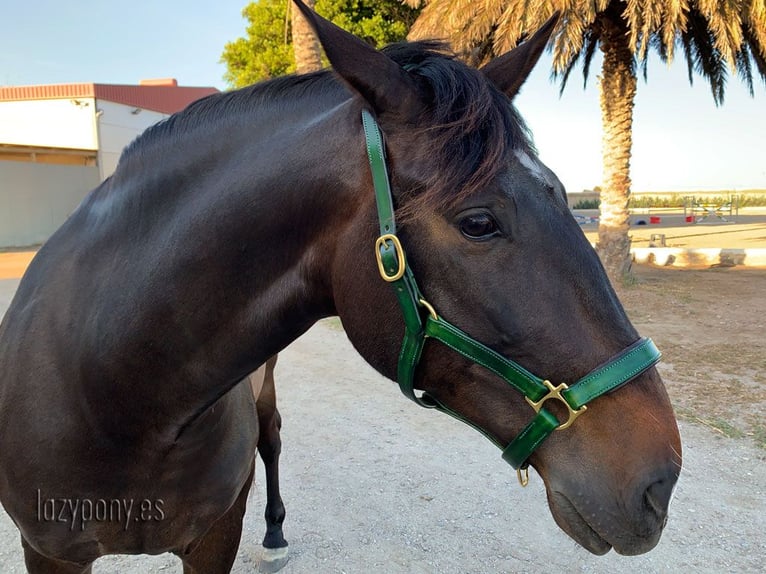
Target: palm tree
{"x":308,"y":55}
{"x":718,"y":37}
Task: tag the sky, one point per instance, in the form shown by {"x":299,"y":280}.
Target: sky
{"x":681,"y":141}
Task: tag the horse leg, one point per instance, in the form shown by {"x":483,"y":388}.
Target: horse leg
{"x":39,"y":564}
{"x":215,"y":551}
{"x":269,"y":447}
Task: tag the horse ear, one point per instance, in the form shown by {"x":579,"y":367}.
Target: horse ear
{"x":379,"y":80}
{"x":509,"y":71}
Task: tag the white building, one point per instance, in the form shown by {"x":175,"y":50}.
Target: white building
{"x":58,"y":142}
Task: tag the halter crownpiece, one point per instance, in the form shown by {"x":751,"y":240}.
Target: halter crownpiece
{"x":422,"y":321}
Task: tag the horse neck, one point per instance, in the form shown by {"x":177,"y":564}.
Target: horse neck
{"x":227,"y":265}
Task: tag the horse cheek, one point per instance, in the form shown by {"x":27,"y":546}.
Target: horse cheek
{"x":366,"y":305}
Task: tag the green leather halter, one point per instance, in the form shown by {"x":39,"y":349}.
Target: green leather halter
{"x":422,"y":321}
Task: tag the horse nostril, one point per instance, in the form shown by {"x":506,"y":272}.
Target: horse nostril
{"x":657,"y":495}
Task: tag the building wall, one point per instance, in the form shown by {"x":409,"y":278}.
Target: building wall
{"x":36,"y":198}
{"x":118,"y":125}
{"x":63,"y":123}
{"x":38,"y":194}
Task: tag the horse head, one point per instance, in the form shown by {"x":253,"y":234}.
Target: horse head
{"x":485,"y":230}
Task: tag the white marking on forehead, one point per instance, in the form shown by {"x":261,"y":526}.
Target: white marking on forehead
{"x":535,"y":167}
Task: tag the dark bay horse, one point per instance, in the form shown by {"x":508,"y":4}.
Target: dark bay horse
{"x":229,"y":229}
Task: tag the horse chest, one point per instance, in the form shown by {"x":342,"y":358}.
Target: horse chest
{"x":80,"y":496}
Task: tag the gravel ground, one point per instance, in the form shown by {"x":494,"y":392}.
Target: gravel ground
{"x":374,"y":484}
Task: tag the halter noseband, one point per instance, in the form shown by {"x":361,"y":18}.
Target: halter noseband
{"x":422,"y":321}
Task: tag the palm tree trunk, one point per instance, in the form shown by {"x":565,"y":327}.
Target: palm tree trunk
{"x":308,"y":57}
{"x":618,"y":90}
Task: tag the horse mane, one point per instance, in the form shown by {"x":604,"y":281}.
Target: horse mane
{"x":227,"y":107}
{"x":470,"y":124}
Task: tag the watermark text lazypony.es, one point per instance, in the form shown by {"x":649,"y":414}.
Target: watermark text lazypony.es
{"x":78,"y":512}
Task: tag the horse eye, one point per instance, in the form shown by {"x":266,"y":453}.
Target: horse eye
{"x":478,"y":226}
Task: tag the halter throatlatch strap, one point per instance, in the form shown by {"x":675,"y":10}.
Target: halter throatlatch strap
{"x":422,"y":321}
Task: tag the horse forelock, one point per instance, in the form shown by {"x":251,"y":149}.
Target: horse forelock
{"x":470,"y":127}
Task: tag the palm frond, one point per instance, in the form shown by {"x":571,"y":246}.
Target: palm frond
{"x":755,"y":28}
{"x":661,"y":48}
{"x":563,"y":75}
{"x":744,"y":68}
{"x":703,"y":56}
{"x":673,"y":23}
{"x":431,"y":22}
{"x":757,"y":49}
{"x":718,"y":37}
{"x":724,"y":20}
{"x":575,"y":28}
{"x":590,"y":42}
{"x":643,"y":19}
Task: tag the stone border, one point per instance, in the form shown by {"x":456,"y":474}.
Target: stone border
{"x":703,"y":256}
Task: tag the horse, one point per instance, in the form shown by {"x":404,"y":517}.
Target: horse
{"x":400,"y":192}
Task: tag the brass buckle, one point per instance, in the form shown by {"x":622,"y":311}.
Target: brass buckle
{"x":381,"y":242}
{"x":555,"y":393}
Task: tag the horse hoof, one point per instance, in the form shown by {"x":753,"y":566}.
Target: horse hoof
{"x":273,"y":560}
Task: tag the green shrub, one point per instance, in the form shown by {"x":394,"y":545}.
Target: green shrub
{"x":587,"y":204}
{"x":678,"y":200}
{"x":646,"y":201}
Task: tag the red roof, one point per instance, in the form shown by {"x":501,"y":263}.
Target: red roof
{"x":166,"y":99}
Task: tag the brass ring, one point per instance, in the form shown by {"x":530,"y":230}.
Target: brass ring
{"x":430,"y":308}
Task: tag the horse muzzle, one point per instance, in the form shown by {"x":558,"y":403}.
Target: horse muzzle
{"x":629,"y":519}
